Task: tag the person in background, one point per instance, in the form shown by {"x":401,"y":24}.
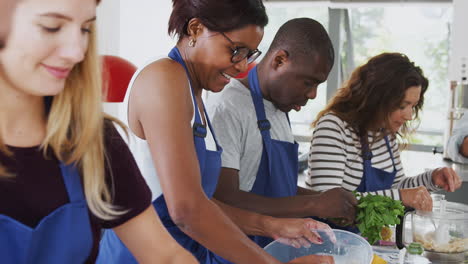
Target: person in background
{"x":260,"y":157}
{"x":217,"y":39}
{"x":65,"y":172}
{"x":354,"y":145}
{"x":457,"y":146}
{"x":6,"y":11}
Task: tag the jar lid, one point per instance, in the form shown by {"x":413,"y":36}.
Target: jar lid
{"x":415,"y":248}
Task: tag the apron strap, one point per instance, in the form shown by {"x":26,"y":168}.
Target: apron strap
{"x":366,"y":153}
{"x":263,"y":123}
{"x":390,"y":151}
{"x":199,"y":129}
{"x":72,"y":180}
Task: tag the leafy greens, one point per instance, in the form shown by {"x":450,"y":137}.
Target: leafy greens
{"x":374,"y":212}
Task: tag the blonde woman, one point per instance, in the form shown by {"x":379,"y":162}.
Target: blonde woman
{"x":65,"y":173}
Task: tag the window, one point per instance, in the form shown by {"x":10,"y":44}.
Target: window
{"x":422,"y":32}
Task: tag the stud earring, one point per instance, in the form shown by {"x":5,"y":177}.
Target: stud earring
{"x":191,"y":43}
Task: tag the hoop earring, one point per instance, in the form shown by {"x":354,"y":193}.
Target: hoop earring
{"x":191,"y":43}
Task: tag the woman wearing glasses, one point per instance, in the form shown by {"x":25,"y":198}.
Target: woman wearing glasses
{"x":217,"y":40}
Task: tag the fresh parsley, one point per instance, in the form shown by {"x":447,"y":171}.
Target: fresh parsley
{"x":374,"y":212}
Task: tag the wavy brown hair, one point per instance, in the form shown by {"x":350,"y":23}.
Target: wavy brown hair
{"x":374,"y":91}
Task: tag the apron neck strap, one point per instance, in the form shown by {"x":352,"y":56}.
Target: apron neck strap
{"x":199,"y":129}
{"x":257,"y":97}
{"x":72,"y":181}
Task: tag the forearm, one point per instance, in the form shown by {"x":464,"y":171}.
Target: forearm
{"x":423,"y":179}
{"x":292,"y":206}
{"x":220,"y":235}
{"x":305,"y":191}
{"x":249,"y":222}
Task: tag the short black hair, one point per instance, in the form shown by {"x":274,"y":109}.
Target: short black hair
{"x":216,"y":15}
{"x":303,"y":36}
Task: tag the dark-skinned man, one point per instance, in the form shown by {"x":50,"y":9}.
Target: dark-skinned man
{"x":260,"y":157}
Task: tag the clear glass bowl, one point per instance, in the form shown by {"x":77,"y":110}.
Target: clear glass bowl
{"x":349,"y":249}
{"x":442,"y":231}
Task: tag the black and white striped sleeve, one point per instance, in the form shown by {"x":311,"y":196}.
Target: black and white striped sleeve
{"x":327,"y":156}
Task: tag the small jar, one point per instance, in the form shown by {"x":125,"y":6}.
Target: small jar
{"x":414,"y":254}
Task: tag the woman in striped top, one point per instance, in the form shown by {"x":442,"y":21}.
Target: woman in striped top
{"x":354,"y":145}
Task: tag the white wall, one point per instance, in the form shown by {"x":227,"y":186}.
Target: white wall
{"x":134,"y":30}
{"x":108,"y":27}
{"x":144,"y":29}
{"x":459,"y":42}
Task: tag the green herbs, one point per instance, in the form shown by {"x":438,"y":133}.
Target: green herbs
{"x":374,"y":212}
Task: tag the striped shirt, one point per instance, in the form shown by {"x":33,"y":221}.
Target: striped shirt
{"x":335,"y":159}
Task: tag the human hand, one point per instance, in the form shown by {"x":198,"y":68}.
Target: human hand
{"x":338,"y":203}
{"x":313,"y":259}
{"x":417,"y":198}
{"x":298,"y":232}
{"x":446,"y":178}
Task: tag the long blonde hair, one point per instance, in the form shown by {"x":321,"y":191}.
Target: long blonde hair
{"x":75,"y":130}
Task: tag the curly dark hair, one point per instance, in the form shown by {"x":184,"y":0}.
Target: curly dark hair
{"x":375,"y":90}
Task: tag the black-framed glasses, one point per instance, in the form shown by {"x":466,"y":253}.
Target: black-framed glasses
{"x":241,"y":53}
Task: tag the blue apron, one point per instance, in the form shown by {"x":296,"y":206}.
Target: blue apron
{"x":63,"y":236}
{"x":374,"y":179}
{"x":112,"y":249}
{"x":278,"y":169}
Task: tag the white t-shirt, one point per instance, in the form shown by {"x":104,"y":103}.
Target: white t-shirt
{"x":140,"y":147}
{"x":234,"y":120}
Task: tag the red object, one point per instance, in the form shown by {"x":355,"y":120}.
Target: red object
{"x":117,"y":73}
{"x":244,"y":74}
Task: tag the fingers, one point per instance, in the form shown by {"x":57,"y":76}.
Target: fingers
{"x":449,"y":175}
{"x":289,"y":242}
{"x":458,"y":181}
{"x":322,"y":227}
{"x":313,"y":259}
{"x":352,"y":199}
{"x":312,"y":235}
{"x":455,"y":179}
{"x":294,"y":242}
{"x":351,"y":212}
{"x":303,"y":242}
{"x":417,"y":198}
{"x":447,"y":179}
{"x":424,"y":199}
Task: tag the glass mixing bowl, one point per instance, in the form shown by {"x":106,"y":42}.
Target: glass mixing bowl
{"x":349,"y":249}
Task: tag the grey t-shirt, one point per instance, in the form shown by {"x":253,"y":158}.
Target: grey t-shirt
{"x":234,"y":121}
